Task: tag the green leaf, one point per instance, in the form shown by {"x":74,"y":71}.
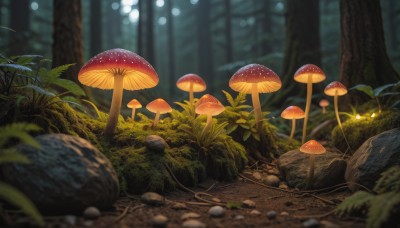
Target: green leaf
{"x":256,"y":136}
{"x":39,"y":90}
{"x":233,"y":205}
{"x":12,"y":156}
{"x":364,"y":88}
{"x":246,"y":135}
{"x":244,"y":107}
{"x":19,"y":131}
{"x":15,"y":197}
{"x":231,"y":128}
{"x":69,"y":86}
{"x":378,"y":91}
{"x":240,"y":121}
{"x":244,"y":126}
{"x":229,"y":98}
{"x":16,"y":67}
{"x":382,"y":208}
{"x":353,"y":203}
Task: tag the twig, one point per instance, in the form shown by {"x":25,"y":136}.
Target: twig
{"x":261,"y":184}
{"x":313,"y":216}
{"x":320,"y":198}
{"x":124,"y":213}
{"x":197,"y":196}
{"x":211,"y":187}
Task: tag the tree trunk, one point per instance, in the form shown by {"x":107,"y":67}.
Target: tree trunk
{"x":171,"y":51}
{"x":140,"y":29}
{"x":363,"y":57}
{"x":205,"y":43}
{"x":19,"y":21}
{"x":266,"y":45}
{"x":392,"y":24}
{"x":67,"y":36}
{"x":228,"y":31}
{"x":95,"y":27}
{"x":150,"y":33}
{"x":302,"y":45}
{"x":113,"y":23}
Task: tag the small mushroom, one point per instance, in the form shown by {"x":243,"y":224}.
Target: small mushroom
{"x":312,"y":148}
{"x":210,"y":106}
{"x":336,"y":89}
{"x":324,"y":103}
{"x":158,"y":106}
{"x":134,"y":104}
{"x":117,"y":69}
{"x":191,"y":83}
{"x":292,"y":113}
{"x":254,"y":79}
{"x":308,"y":74}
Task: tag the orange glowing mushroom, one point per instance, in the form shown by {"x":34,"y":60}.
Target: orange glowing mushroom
{"x":134,"y":104}
{"x":324,"y":103}
{"x":292,"y":113}
{"x":312,"y":148}
{"x":210,"y":106}
{"x":191,"y":83}
{"x":158,"y":106}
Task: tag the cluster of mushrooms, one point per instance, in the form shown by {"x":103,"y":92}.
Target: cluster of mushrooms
{"x":120,"y":69}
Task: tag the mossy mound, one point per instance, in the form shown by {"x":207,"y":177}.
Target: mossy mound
{"x":357,"y":131}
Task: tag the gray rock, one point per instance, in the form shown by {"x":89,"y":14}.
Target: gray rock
{"x":67,"y":171}
{"x":193,"y":223}
{"x":255,"y":212}
{"x":374,"y":156}
{"x":216,"y":211}
{"x":190,"y":215}
{"x":91,"y":213}
{"x":239,"y":217}
{"x":271,"y":180}
{"x":257,"y":175}
{"x":329,"y":169}
{"x":311,"y":223}
{"x":179,"y":206}
{"x":152,"y":199}
{"x":248,"y":203}
{"x":271,"y":215}
{"x":159,"y":221}
{"x":155,"y":143}
{"x":70,"y":219}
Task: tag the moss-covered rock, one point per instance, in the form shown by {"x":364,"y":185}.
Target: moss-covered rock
{"x":357,"y":131}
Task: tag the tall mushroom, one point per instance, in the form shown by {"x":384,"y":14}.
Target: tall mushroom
{"x":312,"y":148}
{"x":191,"y":83}
{"x":210,"y":106}
{"x":117,"y":69}
{"x":158,"y":106}
{"x":254,"y":79}
{"x":134,"y":104}
{"x":324,"y":103}
{"x":308,"y":74}
{"x":292,"y":113}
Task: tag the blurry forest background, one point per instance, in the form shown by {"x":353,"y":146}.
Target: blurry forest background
{"x":212,"y":38}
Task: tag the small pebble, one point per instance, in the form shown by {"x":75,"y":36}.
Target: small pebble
{"x":255,"y":212}
{"x":91,"y":213}
{"x":311,"y":223}
{"x":283,"y":185}
{"x":248,"y":203}
{"x":179,"y":206}
{"x":216,"y":200}
{"x":216,"y":211}
{"x":70,"y":219}
{"x":190,"y":215}
{"x":152,"y":199}
{"x":193,"y":223}
{"x":284,"y":213}
{"x":271,"y":215}
{"x":239,"y":217}
{"x":274,"y":171}
{"x":257,"y":175}
{"x":271,"y":180}
{"x":159,"y":221}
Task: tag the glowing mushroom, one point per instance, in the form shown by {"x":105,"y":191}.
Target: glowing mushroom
{"x":134,"y":104}
{"x":292,"y":113}
{"x":158,"y":106}
{"x":312,"y":148}
{"x":336,"y":89}
{"x":117,"y":69}
{"x":210,"y":106}
{"x":324,"y":103}
{"x":254,"y":79}
{"x":191,"y":83}
{"x":308,"y":74}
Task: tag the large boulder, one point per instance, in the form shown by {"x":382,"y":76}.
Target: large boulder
{"x":374,"y":156}
{"x":67,"y":174}
{"x":329,"y":169}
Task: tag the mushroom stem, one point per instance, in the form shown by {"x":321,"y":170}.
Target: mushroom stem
{"x":156,"y":120}
{"x":191,"y":96}
{"x":308,"y":103}
{"x":335,"y":101}
{"x":311,"y":171}
{"x":115,"y":105}
{"x":208,"y":125}
{"x":292,"y":131}
{"x":323,"y":110}
{"x":133,"y":114}
{"x":257,"y":107}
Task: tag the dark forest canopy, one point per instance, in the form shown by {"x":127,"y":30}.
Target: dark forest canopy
{"x":212,"y":38}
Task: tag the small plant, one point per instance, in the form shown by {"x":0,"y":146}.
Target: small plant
{"x":9,"y":154}
{"x":382,"y":208}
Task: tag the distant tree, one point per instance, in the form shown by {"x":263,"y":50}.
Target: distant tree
{"x":96,"y":37}
{"x":393,"y":16}
{"x":149,"y":26}
{"x":266,"y":44}
{"x":228,"y":31}
{"x":19,"y":21}
{"x":113,"y":25}
{"x":302,"y":44}
{"x":171,"y":50}
{"x":363,"y":52}
{"x":140,"y":29}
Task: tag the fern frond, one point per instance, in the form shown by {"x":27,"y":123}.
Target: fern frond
{"x":389,"y":181}
{"x":356,"y":202}
{"x":382,"y":208}
{"x":229,"y":98}
{"x":20,"y":132}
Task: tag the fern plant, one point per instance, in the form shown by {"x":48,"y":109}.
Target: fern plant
{"x":382,"y":208}
{"x":9,"y":154}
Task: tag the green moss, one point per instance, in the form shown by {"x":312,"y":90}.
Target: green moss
{"x":357,"y":131}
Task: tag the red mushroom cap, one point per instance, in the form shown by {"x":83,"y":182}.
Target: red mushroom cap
{"x":159,"y":105}
{"x":267,"y":80}
{"x":317,"y":75}
{"x":208,"y":104}
{"x":293,"y":112}
{"x":334,"y":87}
{"x":312,"y":147}
{"x":134,"y":104}
{"x":199,"y":84}
{"x":324,"y":103}
{"x":100,"y":70}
